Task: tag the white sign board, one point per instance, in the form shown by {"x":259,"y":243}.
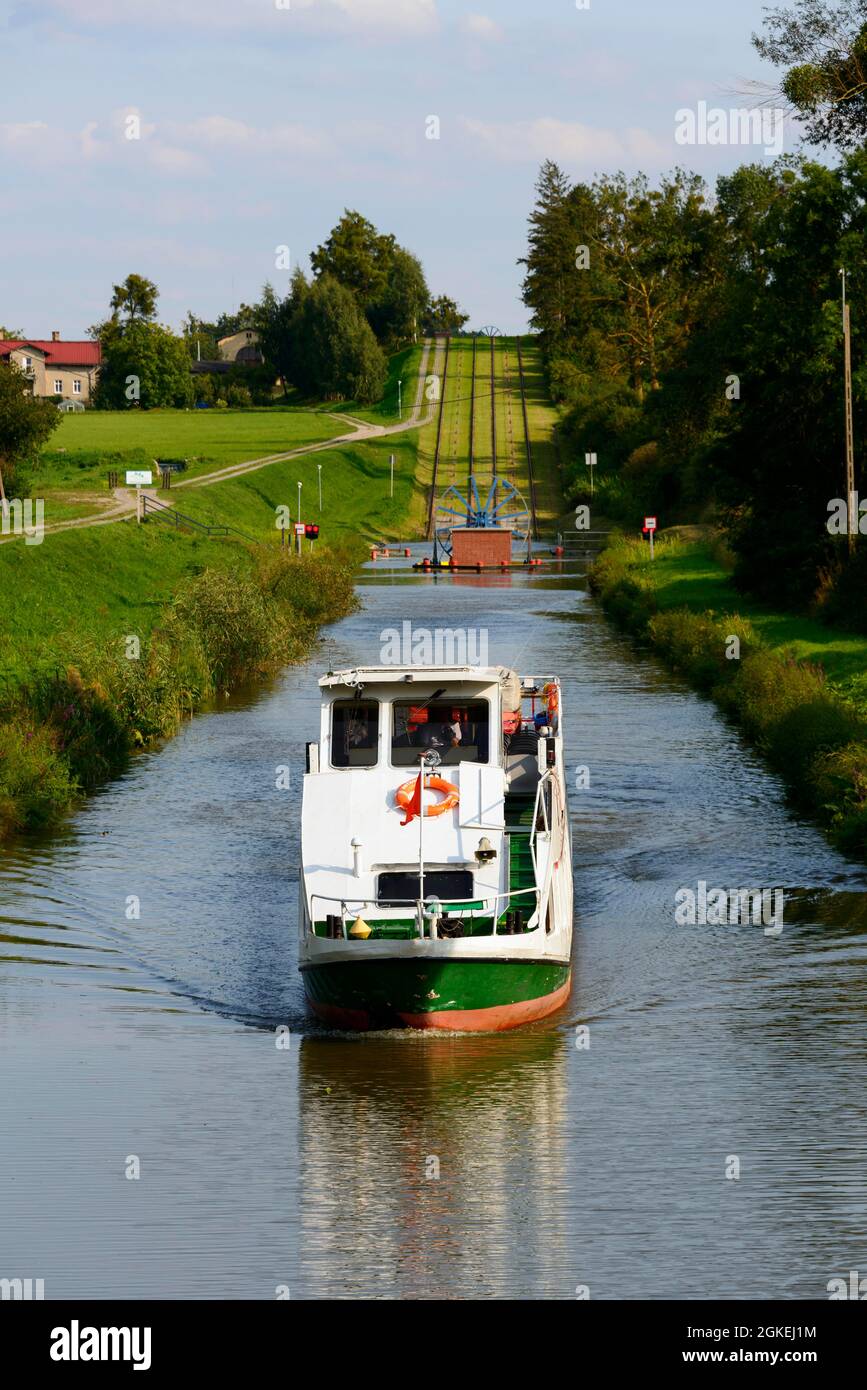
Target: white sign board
{"x":650,"y":523}
{"x":139,"y":477}
{"x":299,"y":528}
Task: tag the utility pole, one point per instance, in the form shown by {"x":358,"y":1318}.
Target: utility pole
{"x":298,"y":533}
{"x":851,"y":510}
{"x":399,"y":402}
{"x":319,"y":468}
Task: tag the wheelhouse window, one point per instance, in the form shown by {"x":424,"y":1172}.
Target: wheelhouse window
{"x":456,"y":729}
{"x":354,"y":733}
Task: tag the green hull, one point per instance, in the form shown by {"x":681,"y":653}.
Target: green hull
{"x":480,"y":995}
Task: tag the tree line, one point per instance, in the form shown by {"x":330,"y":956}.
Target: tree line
{"x":694,"y":335}
{"x":327,"y":337}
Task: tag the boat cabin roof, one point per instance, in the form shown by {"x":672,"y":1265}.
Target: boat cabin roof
{"x":405,"y":675}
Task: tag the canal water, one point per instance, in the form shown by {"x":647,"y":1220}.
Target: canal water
{"x":692,"y":1125}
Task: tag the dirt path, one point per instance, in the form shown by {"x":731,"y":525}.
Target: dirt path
{"x":125,"y":503}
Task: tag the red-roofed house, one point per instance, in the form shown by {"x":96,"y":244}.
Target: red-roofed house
{"x":55,"y":368}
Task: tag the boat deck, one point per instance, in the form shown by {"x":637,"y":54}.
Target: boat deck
{"x":522,"y":879}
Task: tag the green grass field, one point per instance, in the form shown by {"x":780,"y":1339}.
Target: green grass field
{"x":85,"y":447}
{"x":355,"y":493}
{"x":686,"y":575}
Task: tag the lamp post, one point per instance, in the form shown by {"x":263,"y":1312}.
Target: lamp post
{"x":850,"y":448}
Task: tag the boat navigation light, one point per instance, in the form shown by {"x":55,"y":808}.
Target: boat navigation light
{"x":356,"y":858}
{"x":485,"y":850}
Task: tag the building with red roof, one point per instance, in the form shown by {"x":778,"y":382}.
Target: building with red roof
{"x":55,"y":367}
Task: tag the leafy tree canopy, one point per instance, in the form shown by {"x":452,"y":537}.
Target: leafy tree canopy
{"x":822,"y":47}
{"x":26,"y":423}
{"x":136,"y":298}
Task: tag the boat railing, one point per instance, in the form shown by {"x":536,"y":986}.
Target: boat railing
{"x":542,"y":826}
{"x":428,"y":913}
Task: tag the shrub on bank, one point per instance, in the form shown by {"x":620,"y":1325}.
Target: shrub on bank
{"x":811,"y":736}
{"x":839,"y":782}
{"x":76,"y":726}
{"x":238,"y":628}
{"x":628,"y":598}
{"x":34,"y":781}
{"x":700,"y":644}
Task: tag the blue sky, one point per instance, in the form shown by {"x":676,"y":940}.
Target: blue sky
{"x":259,"y":124}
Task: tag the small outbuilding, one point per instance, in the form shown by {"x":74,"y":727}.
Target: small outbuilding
{"x":481,"y":545}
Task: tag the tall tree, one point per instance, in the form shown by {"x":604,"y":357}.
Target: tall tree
{"x":26,"y":422}
{"x":357,"y":256}
{"x":279,"y":326}
{"x":551,"y":255}
{"x":143,"y":364}
{"x":335,"y":353}
{"x":782,"y":462}
{"x":823,"y":47}
{"x":442,"y":315}
{"x":394,"y":315}
{"x":136,"y":298}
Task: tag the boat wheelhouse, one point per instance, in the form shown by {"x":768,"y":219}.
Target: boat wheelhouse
{"x":457,"y":918}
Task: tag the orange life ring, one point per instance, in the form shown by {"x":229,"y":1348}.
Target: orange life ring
{"x":437,"y":784}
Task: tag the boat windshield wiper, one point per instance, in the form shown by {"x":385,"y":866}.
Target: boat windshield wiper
{"x":430,"y":699}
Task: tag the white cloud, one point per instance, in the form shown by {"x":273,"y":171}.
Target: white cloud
{"x":169,"y":148}
{"x":225,"y":133}
{"x":21,"y":134}
{"x":385,"y":17}
{"x":568,"y":142}
{"x":170,"y":159}
{"x":480,"y":26}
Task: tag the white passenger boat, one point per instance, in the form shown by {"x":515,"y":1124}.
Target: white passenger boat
{"x":460,"y":918}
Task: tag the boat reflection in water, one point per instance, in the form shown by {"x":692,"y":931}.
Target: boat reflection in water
{"x":427,"y":1160}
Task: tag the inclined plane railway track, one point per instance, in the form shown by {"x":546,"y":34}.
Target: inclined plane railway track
{"x":437,"y":481}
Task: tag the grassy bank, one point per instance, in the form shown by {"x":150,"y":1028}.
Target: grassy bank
{"x":74,"y":717}
{"x":112,"y":634}
{"x":72,"y":472}
{"x":355,"y":492}
{"x":797,"y":688}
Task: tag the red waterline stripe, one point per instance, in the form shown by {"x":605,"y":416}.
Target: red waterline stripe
{"x":494,"y":1019}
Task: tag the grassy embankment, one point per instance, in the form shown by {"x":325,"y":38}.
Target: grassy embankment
{"x":201,"y":614}
{"x":797,"y":687}
{"x":72,"y":472}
